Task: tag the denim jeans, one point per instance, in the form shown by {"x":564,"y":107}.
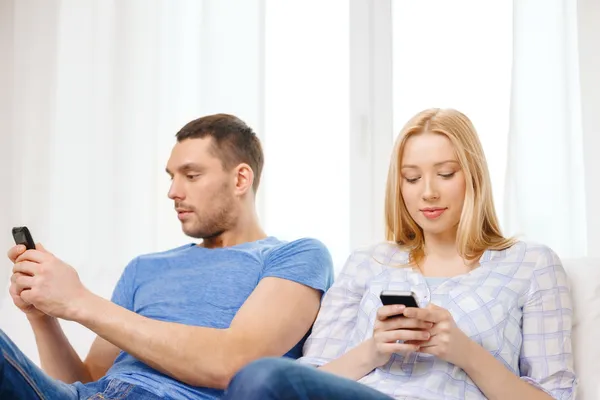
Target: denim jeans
{"x":285,"y":379}
{"x":21,"y":379}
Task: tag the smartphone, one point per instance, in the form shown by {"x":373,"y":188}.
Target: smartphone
{"x":22,"y":236}
{"x":408,"y":299}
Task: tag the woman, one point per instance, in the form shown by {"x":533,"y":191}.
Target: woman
{"x":495,"y":314}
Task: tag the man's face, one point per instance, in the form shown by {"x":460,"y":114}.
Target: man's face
{"x":201,"y":189}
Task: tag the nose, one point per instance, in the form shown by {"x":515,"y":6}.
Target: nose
{"x":175,"y":191}
{"x":430,"y":192}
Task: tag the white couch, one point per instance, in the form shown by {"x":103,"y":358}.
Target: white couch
{"x":584,"y":275}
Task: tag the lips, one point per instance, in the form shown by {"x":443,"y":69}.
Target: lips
{"x":433,"y":213}
{"x":183,"y":214}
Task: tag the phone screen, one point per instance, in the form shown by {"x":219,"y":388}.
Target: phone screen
{"x":406,"y":299}
{"x":23,"y":236}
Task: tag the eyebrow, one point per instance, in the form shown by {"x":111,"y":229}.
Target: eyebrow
{"x":185,"y":168}
{"x":435,"y":165}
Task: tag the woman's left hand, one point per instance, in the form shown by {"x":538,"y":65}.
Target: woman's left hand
{"x":447,"y":341}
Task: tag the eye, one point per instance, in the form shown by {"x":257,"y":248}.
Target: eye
{"x":447,"y":176}
{"x":412,"y":180}
{"x":191,"y":177}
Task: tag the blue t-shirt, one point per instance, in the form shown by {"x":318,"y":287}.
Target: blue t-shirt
{"x":193,"y":285}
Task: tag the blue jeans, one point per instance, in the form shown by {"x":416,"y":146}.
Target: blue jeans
{"x":21,"y":379}
{"x":285,"y":379}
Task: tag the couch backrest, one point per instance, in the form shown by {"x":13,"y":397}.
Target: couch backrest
{"x":584,"y":276}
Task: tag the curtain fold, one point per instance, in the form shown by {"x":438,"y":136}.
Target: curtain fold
{"x":545,"y":183}
{"x":96,"y":91}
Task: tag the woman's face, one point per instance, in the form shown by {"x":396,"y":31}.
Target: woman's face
{"x":433,"y":183}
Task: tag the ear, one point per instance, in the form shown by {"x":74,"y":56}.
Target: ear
{"x":244,"y":178}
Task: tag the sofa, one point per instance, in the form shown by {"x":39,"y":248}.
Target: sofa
{"x":584,"y":277}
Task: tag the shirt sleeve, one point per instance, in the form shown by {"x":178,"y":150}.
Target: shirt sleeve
{"x":123,"y":294}
{"x":305,"y":261}
{"x":332,"y":332}
{"x":546,"y":359}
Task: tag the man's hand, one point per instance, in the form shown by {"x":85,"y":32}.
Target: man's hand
{"x":45,"y":282}
{"x":447,"y":341}
{"x":15,"y":290}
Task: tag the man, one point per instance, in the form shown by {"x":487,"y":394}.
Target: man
{"x":182,"y":322}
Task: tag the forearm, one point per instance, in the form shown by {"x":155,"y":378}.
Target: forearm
{"x":355,"y":364}
{"x":57,"y":356}
{"x":495,"y":380}
{"x":195,"y":355}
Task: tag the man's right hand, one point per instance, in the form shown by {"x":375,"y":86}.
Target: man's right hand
{"x":16,"y":288}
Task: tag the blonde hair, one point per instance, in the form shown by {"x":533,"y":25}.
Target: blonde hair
{"x":478,"y":229}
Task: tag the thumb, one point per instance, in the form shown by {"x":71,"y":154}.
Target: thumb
{"x":40,"y":247}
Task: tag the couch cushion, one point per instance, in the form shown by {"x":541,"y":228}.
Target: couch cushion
{"x":584,"y":277}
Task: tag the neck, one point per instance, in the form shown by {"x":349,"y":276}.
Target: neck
{"x":441,"y":245}
{"x":247,"y":229}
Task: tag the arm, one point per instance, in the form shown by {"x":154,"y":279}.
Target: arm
{"x":330,"y":336}
{"x":546,"y":365}
{"x":337,"y":344}
{"x":274,"y":318}
{"x":59,"y":359}
{"x":546,"y":361}
{"x":377,"y":350}
{"x":495,"y":380}
{"x":355,"y":364}
{"x":57,"y":356}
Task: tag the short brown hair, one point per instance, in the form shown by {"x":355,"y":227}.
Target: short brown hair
{"x":234,"y":142}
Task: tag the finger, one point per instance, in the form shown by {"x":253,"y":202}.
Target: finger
{"x":23,"y":282}
{"x":433,"y":342}
{"x":434,"y":307}
{"x":12,"y":290}
{"x":417,"y":343}
{"x":33,"y":255}
{"x":13,"y":277}
{"x":387,"y":311}
{"x":19,"y":302}
{"x":402,"y":334}
{"x":426,"y":314}
{"x":403,"y":348}
{"x":394,"y":323}
{"x":26,"y":268}
{"x":437,"y":329}
{"x":15,"y":252}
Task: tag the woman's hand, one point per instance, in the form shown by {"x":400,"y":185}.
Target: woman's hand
{"x":447,"y":341}
{"x":391,"y":327}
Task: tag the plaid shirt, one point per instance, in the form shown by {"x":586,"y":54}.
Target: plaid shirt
{"x":516,"y":305}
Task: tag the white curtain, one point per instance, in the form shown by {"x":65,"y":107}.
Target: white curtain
{"x":588,"y":12}
{"x":546,"y":185}
{"x":92,"y":94}
{"x":464,"y":62}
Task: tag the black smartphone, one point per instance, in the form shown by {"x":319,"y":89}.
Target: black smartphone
{"x":22,"y":236}
{"x":408,"y":299}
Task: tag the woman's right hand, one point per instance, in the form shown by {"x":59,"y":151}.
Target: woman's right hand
{"x":391,"y":327}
